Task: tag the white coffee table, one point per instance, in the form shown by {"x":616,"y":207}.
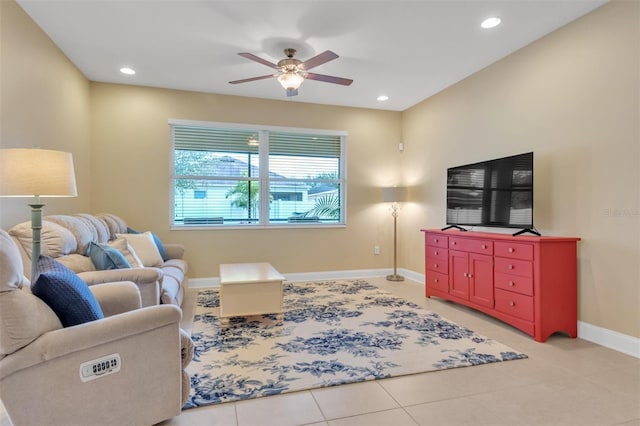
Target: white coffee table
{"x":250,"y":289}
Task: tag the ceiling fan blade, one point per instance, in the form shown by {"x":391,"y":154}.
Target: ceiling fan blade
{"x":292,"y":92}
{"x":329,"y":79}
{"x":320,"y":59}
{"x":253,"y":57}
{"x":245,"y":80}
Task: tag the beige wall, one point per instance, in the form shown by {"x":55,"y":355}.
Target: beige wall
{"x":572,"y":98}
{"x":44,"y":103}
{"x":130,"y":176}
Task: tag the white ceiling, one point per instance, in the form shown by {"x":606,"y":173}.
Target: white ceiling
{"x":408,"y":50}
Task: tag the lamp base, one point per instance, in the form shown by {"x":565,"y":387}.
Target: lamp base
{"x":395,"y":277}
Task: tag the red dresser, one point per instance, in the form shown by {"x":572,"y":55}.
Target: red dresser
{"x":529,"y":282}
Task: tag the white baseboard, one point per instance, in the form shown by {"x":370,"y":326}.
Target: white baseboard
{"x":204,"y":282}
{"x":608,"y":338}
{"x":304,"y":276}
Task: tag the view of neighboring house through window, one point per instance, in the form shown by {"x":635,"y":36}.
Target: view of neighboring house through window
{"x":236,"y":175}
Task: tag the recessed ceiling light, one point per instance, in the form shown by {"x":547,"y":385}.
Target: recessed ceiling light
{"x":127,"y":71}
{"x":492,"y":22}
{"x":383,"y":98}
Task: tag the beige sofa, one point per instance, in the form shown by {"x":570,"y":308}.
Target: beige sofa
{"x":41,"y":374}
{"x":67,"y":238}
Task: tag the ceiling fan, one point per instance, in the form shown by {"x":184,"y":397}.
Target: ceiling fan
{"x":292,"y":72}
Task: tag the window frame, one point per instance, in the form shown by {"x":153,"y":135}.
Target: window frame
{"x":263,"y":132}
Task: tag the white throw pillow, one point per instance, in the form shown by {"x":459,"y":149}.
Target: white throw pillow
{"x":145,"y":247}
{"x":129,"y":252}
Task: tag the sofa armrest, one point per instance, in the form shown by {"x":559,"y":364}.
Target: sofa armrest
{"x":65,"y":341}
{"x":148,"y":281}
{"x":136,"y":275}
{"x":118,"y":297}
{"x":174,"y":250}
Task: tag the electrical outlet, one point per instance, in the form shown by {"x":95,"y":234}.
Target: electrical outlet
{"x":376,"y":250}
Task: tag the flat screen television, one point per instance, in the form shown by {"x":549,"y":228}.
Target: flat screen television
{"x":495,"y":193}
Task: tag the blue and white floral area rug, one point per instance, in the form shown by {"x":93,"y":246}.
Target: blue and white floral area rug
{"x":334,"y":332}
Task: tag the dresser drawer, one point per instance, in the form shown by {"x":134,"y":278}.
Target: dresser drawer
{"x":472,"y":245}
{"x":514,"y":304}
{"x":514,"y":250}
{"x":438,"y":281}
{"x":437,"y":252}
{"x":521,"y":268}
{"x":437,"y":240}
{"x":437,"y":264}
{"x":522,"y":285}
{"x":479,"y":246}
{"x":457,"y":243}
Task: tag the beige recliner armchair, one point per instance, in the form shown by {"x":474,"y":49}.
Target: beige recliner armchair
{"x":125,"y":369}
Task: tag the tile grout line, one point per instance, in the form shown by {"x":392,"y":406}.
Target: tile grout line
{"x":402,"y":407}
{"x":324,"y":416}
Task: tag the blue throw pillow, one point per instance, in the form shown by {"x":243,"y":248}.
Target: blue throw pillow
{"x":156,"y":239}
{"x":105,"y":257}
{"x":65,"y":293}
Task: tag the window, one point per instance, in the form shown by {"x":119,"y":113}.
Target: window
{"x":239,"y":175}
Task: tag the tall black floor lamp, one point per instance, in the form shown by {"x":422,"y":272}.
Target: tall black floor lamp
{"x":395,"y":195}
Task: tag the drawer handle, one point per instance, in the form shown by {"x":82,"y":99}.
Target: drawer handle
{"x":436,"y":280}
{"x":435,"y":252}
{"x":435,"y":240}
{"x":510,"y":267}
{"x":512,"y":303}
{"x":511,"y":250}
{"x":453,"y":243}
{"x":484,"y":247}
{"x":470,"y":275}
{"x":435,"y":265}
{"x":511,"y":284}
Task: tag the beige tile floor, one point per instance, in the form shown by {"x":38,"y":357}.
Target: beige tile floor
{"x":563,"y":382}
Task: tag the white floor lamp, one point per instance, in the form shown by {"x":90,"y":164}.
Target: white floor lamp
{"x":36,"y":173}
{"x":395,"y":195}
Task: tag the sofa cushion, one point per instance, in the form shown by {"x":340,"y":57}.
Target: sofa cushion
{"x":55,"y":240}
{"x":77,"y":262}
{"x":78,"y":227}
{"x":65,"y":293}
{"x":23,"y":317}
{"x":115,"y":224}
{"x":129,"y":253}
{"x":145,"y":248}
{"x":156,"y":239}
{"x":98,"y":227}
{"x":105,"y":257}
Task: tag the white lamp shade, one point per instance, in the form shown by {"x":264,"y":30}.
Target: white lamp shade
{"x":395,"y":194}
{"x":290,"y":80}
{"x":36,"y":172}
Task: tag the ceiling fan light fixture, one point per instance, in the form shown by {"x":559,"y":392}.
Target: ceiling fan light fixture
{"x":290,"y":80}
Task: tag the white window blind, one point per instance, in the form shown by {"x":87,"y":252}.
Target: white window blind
{"x":235,"y":176}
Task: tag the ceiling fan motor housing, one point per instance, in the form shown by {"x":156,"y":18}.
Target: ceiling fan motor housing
{"x":289,"y":64}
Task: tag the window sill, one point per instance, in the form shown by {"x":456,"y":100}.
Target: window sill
{"x":254,"y":227}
